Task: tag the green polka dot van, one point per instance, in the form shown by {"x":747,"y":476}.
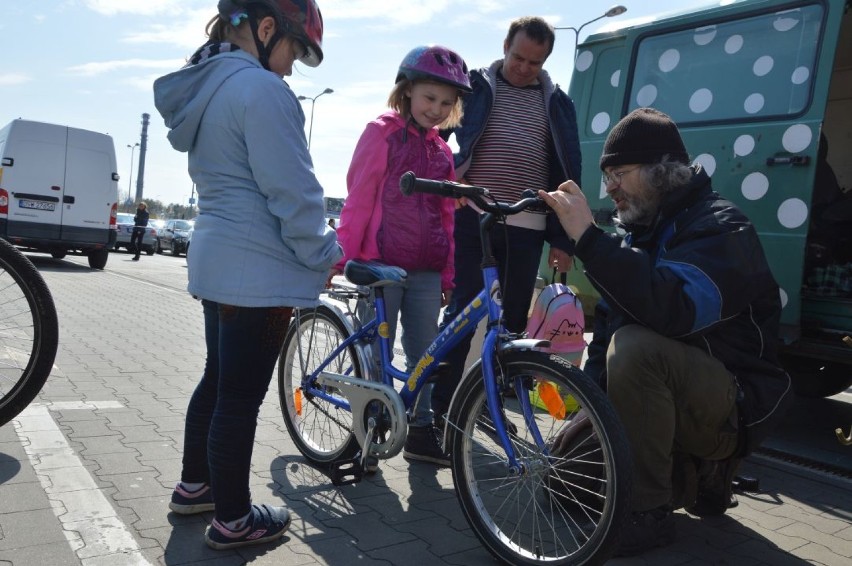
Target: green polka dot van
{"x":762,"y":93}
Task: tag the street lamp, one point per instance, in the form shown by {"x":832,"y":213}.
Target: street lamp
{"x":612,"y":12}
{"x":313,"y":101}
{"x":130,"y":180}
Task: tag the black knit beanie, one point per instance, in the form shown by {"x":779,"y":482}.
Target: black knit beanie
{"x":643,"y":136}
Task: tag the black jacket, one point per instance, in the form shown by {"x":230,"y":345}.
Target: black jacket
{"x":698,"y":274}
{"x":141,"y":218}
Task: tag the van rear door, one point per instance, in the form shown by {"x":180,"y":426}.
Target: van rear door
{"x":89,"y":190}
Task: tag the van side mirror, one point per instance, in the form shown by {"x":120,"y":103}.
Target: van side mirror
{"x":116,"y":176}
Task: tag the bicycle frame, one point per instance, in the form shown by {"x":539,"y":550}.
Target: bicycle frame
{"x":487,"y":303}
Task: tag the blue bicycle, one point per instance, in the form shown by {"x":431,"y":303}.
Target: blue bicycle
{"x":540,"y":461}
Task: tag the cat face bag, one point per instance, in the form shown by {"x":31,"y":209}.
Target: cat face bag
{"x":557,"y":316}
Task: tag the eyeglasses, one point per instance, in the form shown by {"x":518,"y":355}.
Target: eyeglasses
{"x":615,"y":178}
{"x":300,"y":50}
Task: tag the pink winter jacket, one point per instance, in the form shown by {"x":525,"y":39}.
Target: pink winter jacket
{"x":378,"y":222}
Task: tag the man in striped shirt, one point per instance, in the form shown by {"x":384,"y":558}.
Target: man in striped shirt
{"x":519,"y":132}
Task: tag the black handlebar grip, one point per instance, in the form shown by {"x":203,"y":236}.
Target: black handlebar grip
{"x":409,"y":183}
{"x":406,"y":183}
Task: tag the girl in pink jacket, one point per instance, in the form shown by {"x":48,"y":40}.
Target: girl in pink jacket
{"x":416,"y":232}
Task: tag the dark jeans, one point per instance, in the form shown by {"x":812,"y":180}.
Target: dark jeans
{"x":136,"y":239}
{"x":242,"y":347}
{"x":518,"y":253}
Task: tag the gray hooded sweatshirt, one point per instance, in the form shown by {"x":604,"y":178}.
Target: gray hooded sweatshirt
{"x":261,"y":238}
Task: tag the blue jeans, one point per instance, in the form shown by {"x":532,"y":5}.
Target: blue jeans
{"x":242,"y":347}
{"x":518,"y":253}
{"x":416,"y":306}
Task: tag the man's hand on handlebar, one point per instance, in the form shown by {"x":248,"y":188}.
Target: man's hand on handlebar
{"x":570,"y":205}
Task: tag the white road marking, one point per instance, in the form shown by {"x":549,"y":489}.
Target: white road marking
{"x":91,"y":525}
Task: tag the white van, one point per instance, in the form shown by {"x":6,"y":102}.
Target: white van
{"x":58,"y":189}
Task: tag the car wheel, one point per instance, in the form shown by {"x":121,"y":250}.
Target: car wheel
{"x":98,"y":258}
{"x":149,"y":250}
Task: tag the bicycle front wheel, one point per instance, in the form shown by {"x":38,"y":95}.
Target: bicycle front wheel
{"x":29,"y":332}
{"x":568,"y":500}
{"x":321,"y":430}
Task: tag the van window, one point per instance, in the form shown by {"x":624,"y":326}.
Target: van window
{"x":756,"y":67}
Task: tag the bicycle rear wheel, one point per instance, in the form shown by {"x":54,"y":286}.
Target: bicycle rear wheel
{"x":321,"y":431}
{"x":29,"y":332}
{"x":572,"y":494}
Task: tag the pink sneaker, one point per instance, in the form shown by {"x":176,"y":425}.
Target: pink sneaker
{"x":265,"y":524}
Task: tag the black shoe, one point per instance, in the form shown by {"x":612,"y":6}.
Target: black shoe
{"x":422,"y":444}
{"x":715,"y":489}
{"x":646,"y":530}
{"x":136,"y":258}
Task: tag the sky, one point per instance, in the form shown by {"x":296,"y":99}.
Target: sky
{"x":91,"y":64}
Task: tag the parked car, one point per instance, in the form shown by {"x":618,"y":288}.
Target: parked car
{"x":175,"y":236}
{"x":189,"y":237}
{"x":157,"y":224}
{"x":124,"y":229}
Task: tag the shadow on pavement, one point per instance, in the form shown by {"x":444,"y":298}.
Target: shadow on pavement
{"x":9,"y":467}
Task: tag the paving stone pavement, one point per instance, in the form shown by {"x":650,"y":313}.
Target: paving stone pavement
{"x":87,"y":471}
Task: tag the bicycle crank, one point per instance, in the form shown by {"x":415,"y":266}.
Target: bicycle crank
{"x":360,"y":394}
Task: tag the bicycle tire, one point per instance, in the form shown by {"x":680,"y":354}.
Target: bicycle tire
{"x":29,"y":332}
{"x":523,"y":518}
{"x":321,"y":431}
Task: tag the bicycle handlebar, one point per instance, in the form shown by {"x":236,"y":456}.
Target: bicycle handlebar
{"x":409,"y":183}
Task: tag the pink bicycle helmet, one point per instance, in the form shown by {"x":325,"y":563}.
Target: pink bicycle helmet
{"x":435,"y":63}
{"x":301,"y":18}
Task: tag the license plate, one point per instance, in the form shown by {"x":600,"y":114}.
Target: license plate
{"x":37,"y":204}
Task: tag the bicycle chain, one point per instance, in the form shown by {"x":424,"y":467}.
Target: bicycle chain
{"x":327,"y":414}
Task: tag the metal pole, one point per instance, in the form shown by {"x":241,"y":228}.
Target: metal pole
{"x":311,"y":120}
{"x":130,"y":180}
{"x":612,"y":12}
{"x":311,"y":126}
{"x":140,"y":176}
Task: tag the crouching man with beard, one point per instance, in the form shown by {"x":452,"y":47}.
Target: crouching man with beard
{"x":685,"y":334}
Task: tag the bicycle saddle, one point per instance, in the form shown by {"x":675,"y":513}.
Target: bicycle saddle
{"x":373,"y":273}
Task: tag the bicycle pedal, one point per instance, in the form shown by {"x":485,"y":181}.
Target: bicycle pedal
{"x":346,"y":472}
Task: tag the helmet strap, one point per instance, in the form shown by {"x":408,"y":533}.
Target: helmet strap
{"x":264,"y":51}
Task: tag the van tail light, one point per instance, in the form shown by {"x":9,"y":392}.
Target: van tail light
{"x":4,"y":202}
{"x":113,"y":216}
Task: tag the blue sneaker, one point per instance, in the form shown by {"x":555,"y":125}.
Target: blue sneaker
{"x":265,"y":524}
{"x":190,"y":502}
